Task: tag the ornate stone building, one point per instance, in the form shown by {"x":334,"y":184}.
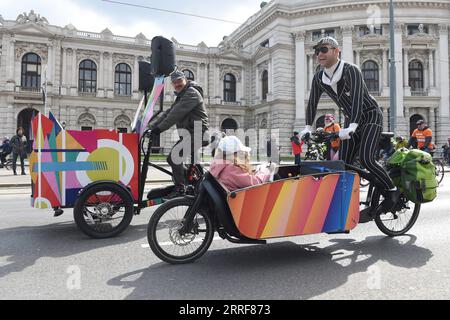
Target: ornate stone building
{"x":257,"y":78}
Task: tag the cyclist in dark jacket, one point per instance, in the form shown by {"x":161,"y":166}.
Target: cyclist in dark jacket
{"x":187,"y":110}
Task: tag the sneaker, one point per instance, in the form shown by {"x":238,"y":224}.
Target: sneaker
{"x":390,"y":200}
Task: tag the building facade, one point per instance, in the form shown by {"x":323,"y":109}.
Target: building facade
{"x":258,"y":77}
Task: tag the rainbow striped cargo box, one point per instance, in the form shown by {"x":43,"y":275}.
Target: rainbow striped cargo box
{"x":297,"y":206}
{"x":65,"y":161}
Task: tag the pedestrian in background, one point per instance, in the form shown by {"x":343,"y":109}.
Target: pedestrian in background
{"x":297,"y":147}
{"x":19,"y":150}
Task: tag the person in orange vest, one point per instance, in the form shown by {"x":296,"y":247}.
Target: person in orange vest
{"x":333,"y":145}
{"x":297,"y":147}
{"x":421,"y":137}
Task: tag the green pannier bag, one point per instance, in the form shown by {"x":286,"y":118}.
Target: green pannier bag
{"x":417,"y":177}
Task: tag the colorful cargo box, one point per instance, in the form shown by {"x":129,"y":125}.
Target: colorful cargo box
{"x":65,"y":161}
{"x":297,"y":206}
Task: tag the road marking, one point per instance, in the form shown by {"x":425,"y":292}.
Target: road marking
{"x":169,"y":243}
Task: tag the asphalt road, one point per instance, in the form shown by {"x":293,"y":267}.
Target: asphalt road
{"x":42,"y":257}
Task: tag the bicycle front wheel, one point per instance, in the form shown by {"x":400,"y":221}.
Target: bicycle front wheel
{"x":165,"y":239}
{"x":400,"y":222}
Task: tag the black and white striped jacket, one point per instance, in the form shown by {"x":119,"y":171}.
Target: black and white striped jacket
{"x":353,"y":97}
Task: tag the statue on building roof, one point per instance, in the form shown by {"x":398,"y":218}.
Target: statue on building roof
{"x":32,"y":17}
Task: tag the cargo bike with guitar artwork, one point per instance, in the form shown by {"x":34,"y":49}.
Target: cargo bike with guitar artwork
{"x":310,"y":198}
{"x":101,"y":173}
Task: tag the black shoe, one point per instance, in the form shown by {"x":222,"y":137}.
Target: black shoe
{"x":15,"y":173}
{"x":390,"y":200}
{"x":177,"y":192}
{"x":24,"y":174}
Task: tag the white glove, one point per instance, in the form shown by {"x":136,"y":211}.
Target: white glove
{"x":345,"y":134}
{"x":308,"y":129}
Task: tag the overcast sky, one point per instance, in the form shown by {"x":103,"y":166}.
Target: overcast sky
{"x":96,"y":15}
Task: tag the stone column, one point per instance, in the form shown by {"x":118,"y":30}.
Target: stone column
{"x":101,"y":77}
{"x":73,"y":82}
{"x":407,"y":89}
{"x":270,"y":75}
{"x":311,"y":70}
{"x":10,"y":66}
{"x":357,"y":59}
{"x":64,"y":73}
{"x":444,"y":108}
{"x":431,"y":67}
{"x":135,"y":78}
{"x":300,"y":85}
{"x":385,"y":69}
{"x":347,"y":43}
{"x":385,"y":119}
{"x":50,"y":64}
{"x":257,"y":86}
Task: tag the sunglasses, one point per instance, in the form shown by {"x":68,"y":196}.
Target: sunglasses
{"x":322,"y":49}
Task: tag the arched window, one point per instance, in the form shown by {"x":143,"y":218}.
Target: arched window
{"x":189,"y":74}
{"x":265,"y":84}
{"x":413,"y":122}
{"x":87,"y":76}
{"x":228,"y":125}
{"x":370,"y":75}
{"x":31,"y":71}
{"x":122,"y":82}
{"x":229,"y":88}
{"x":320,"y":122}
{"x":416,"y":75}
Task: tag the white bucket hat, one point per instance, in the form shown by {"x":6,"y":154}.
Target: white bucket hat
{"x":231,"y":144}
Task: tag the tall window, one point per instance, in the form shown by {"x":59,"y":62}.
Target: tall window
{"x":370,"y":75}
{"x":189,"y":74}
{"x":31,"y":71}
{"x":265,"y":84}
{"x":229,"y":88}
{"x":122,"y":82}
{"x":88,"y":76}
{"x":416,"y":75}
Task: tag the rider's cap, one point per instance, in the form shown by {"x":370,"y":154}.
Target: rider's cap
{"x":327,"y":40}
{"x":231,"y":144}
{"x":177,"y":75}
{"x":420,"y":122}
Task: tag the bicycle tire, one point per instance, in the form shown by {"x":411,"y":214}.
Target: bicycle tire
{"x":439,"y":170}
{"x":81,"y":210}
{"x":157,"y":247}
{"x":395,"y":233}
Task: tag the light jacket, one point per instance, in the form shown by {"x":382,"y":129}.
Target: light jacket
{"x":234,"y":177}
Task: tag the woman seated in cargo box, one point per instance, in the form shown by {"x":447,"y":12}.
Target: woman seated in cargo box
{"x":231,"y":166}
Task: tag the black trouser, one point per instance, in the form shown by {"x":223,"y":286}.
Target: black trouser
{"x":177,"y":157}
{"x":22,"y":161}
{"x":365,"y":142}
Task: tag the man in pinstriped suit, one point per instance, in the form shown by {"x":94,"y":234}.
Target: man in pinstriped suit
{"x":344,"y":84}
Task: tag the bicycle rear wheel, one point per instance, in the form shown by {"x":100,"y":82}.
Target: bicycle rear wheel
{"x":400,"y":222}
